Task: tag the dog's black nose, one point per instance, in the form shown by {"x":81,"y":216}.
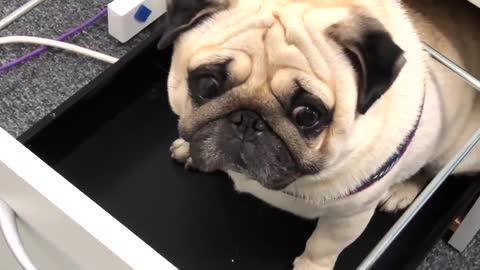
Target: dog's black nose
{"x":247,"y":124}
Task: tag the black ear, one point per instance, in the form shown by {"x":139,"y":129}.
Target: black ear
{"x":182,"y":15}
{"x":376,"y":58}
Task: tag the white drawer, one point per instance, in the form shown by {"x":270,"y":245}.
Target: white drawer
{"x":41,"y":251}
{"x":7,"y":261}
{"x":61,"y":227}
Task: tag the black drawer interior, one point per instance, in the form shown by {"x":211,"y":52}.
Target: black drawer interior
{"x":111,"y":141}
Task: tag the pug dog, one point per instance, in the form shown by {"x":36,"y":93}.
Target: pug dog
{"x":323,"y":108}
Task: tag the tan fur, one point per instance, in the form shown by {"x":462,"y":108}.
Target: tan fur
{"x":273,"y":42}
{"x":451,"y":27}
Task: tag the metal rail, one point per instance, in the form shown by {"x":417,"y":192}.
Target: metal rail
{"x":474,"y":82}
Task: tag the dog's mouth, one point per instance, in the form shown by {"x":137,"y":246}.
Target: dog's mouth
{"x":277,"y":184}
{"x":258,"y":154}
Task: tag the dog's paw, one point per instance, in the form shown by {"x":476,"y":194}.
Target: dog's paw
{"x":180,"y":152}
{"x":303,"y":263}
{"x":400,"y":196}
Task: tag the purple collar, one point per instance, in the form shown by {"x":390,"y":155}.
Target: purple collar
{"x":388,"y":165}
{"x":393,"y":160}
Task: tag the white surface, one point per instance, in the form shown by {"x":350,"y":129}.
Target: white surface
{"x":60,"y":226}
{"x":475,"y":2}
{"x":42,"y":253}
{"x":122,"y":24}
{"x":7,"y":261}
{"x":8,"y":226}
{"x":58,"y":44}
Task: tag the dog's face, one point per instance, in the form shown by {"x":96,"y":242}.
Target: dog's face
{"x":276,"y":89}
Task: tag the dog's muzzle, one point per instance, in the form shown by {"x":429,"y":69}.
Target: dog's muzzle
{"x":242,"y":141}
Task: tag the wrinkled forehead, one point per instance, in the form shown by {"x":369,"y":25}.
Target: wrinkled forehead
{"x":272,"y":35}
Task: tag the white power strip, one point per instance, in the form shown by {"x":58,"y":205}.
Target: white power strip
{"x":126,"y":18}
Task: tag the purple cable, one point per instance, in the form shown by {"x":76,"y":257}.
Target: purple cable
{"x":64,"y":36}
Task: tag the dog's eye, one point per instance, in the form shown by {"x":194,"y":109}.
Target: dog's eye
{"x":208,"y":87}
{"x":306,"y":117}
{"x":208,"y":82}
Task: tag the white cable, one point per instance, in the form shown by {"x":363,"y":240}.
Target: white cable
{"x":19,"y":12}
{"x":8,"y":227}
{"x":58,"y":44}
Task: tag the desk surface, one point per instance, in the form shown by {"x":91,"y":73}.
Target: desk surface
{"x":30,"y":91}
